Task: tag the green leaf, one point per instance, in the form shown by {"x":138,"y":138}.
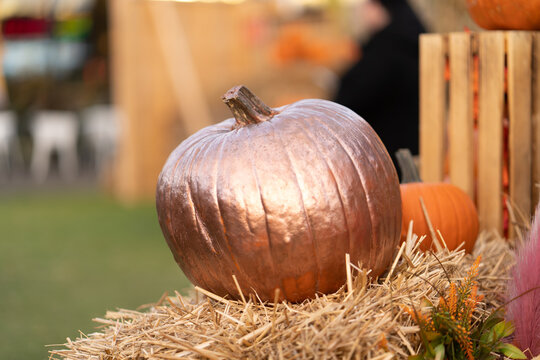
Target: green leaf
{"x":485,"y":351}
{"x":511,"y":351}
{"x":416,"y":357}
{"x":439,"y":352}
{"x":488,"y":336}
{"x":507,"y":328}
{"x":493,"y":319}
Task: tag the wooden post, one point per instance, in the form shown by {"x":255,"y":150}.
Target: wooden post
{"x":179,"y":63}
{"x":520,"y":125}
{"x":432,"y":107}
{"x":151,"y":126}
{"x":460,"y":115}
{"x":490,"y":130}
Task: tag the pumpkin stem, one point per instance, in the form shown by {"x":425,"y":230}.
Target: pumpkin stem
{"x":409,"y":171}
{"x":246,"y":107}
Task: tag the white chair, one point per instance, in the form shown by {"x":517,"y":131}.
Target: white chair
{"x":8,"y":138}
{"x":54,"y":131}
{"x":100,"y":128}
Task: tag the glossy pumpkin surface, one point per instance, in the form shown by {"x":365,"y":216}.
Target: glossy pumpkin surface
{"x":450,"y":210}
{"x":277,"y":197}
{"x":505,"y":14}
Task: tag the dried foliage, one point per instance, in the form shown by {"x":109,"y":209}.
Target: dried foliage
{"x":363,"y":320}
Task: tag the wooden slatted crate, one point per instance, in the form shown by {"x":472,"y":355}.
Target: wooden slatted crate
{"x":479,"y":118}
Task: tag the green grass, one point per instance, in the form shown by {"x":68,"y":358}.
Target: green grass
{"x":66,"y":258}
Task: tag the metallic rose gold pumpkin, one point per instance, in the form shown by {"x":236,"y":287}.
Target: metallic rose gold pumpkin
{"x":277,"y":197}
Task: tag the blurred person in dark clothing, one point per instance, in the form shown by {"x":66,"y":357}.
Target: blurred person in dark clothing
{"x":382,"y":87}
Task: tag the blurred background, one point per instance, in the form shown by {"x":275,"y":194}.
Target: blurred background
{"x":94,"y":95}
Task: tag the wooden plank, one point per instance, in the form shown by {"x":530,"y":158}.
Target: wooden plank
{"x":520,"y":127}
{"x":126,"y":178}
{"x":143,"y":93}
{"x":432,"y":107}
{"x":490,"y":130}
{"x":535,"y":183}
{"x":180,"y":66}
{"x":460,"y":114}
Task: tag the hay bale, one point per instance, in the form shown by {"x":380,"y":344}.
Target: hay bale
{"x":363,"y":320}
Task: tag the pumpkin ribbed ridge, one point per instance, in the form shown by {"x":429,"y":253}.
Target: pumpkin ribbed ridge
{"x":338,"y":193}
{"x":384,"y":231}
{"x":372,"y":212}
{"x":457,"y":226}
{"x":505,"y":14}
{"x":450,"y":210}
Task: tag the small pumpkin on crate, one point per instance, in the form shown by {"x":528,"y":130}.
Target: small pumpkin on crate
{"x":449,"y":209}
{"x":277,"y":198}
{"x":505,"y":14}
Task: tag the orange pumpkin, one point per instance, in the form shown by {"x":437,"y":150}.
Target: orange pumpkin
{"x":450,"y":209}
{"x":505,"y":14}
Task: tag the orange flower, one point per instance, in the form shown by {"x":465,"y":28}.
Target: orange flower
{"x":383,"y":342}
{"x":473,"y":272}
{"x":452,"y":299}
